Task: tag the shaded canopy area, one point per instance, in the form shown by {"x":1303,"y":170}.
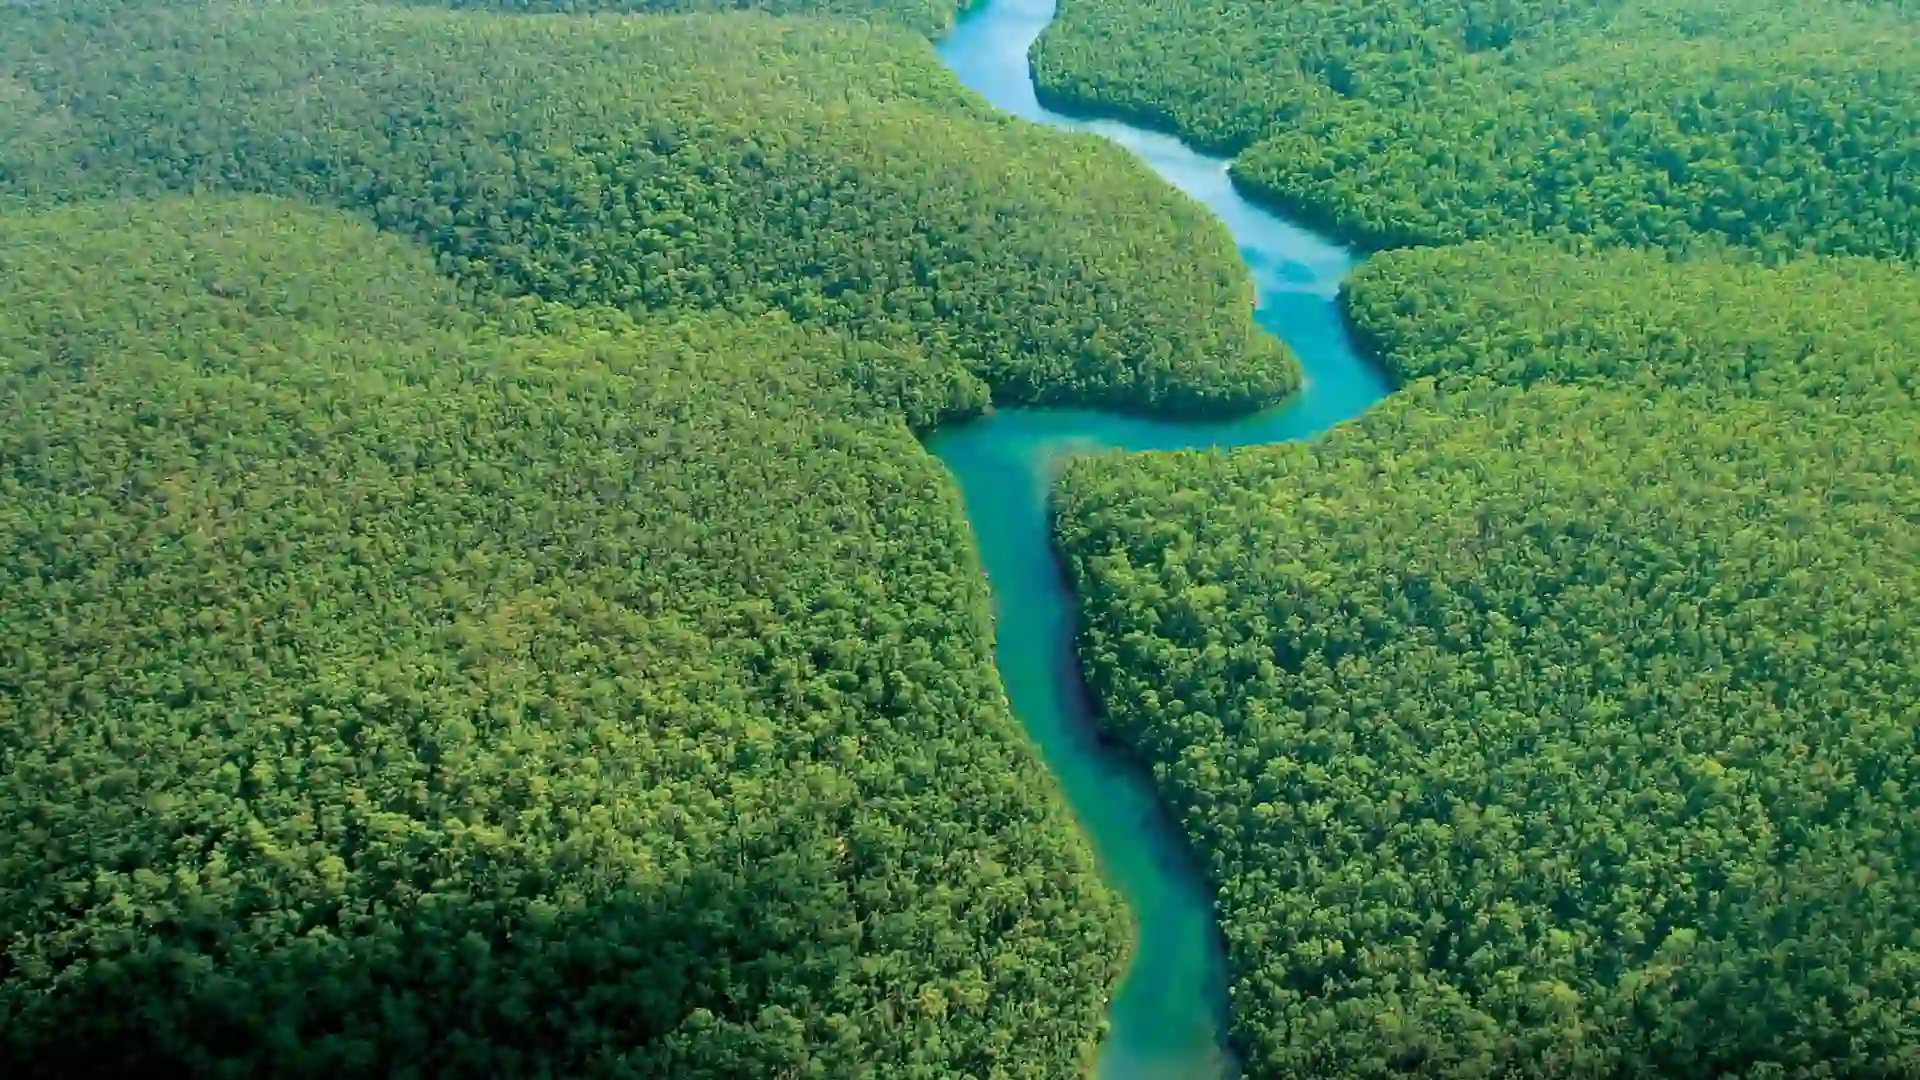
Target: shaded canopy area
{"x":387,"y":693}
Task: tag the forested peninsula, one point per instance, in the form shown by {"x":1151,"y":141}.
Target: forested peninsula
{"x":829,"y":170}
{"x":1667,"y":123}
{"x":1564,"y":723}
{"x":1557,"y":717}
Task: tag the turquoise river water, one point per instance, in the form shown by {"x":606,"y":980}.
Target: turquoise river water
{"x":1169,"y":1012}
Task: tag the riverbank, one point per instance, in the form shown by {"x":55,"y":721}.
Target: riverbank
{"x":1168,"y":1017}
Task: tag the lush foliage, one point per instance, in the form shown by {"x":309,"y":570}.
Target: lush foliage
{"x":930,"y":17}
{"x":507,"y":627}
{"x":1560,"y":715}
{"x":1824,"y":333}
{"x":1558,"y":718}
{"x":835,"y":172}
{"x":387,"y":695}
{"x":1651,"y":122}
{"x":510,"y":628}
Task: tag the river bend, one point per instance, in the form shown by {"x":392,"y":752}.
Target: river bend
{"x":1168,"y":1014}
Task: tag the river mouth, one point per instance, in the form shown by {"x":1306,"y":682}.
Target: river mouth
{"x":1168,"y":1015}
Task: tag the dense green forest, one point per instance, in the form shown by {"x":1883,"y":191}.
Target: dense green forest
{"x":1823,"y":333}
{"x":474,"y":604}
{"x":930,"y":17}
{"x":1786,"y":127}
{"x":1561,"y":713}
{"x":387,"y":694}
{"x":1557,"y":718}
{"x":1542,"y":732}
{"x":833,"y":171}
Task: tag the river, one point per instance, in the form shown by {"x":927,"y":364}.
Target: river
{"x":1169,"y":1012}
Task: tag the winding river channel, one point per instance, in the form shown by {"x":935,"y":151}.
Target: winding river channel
{"x":1169,"y":1012}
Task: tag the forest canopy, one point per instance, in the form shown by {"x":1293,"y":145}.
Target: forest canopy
{"x":386,"y":693}
{"x":1827,"y":333}
{"x":831,"y":171}
{"x":1559,"y":715}
{"x":1783,"y":127}
{"x":474,"y":603}
{"x":929,"y":17}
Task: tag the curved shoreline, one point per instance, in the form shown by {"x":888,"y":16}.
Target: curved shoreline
{"x":1320,"y":219}
{"x":1168,"y":1016}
